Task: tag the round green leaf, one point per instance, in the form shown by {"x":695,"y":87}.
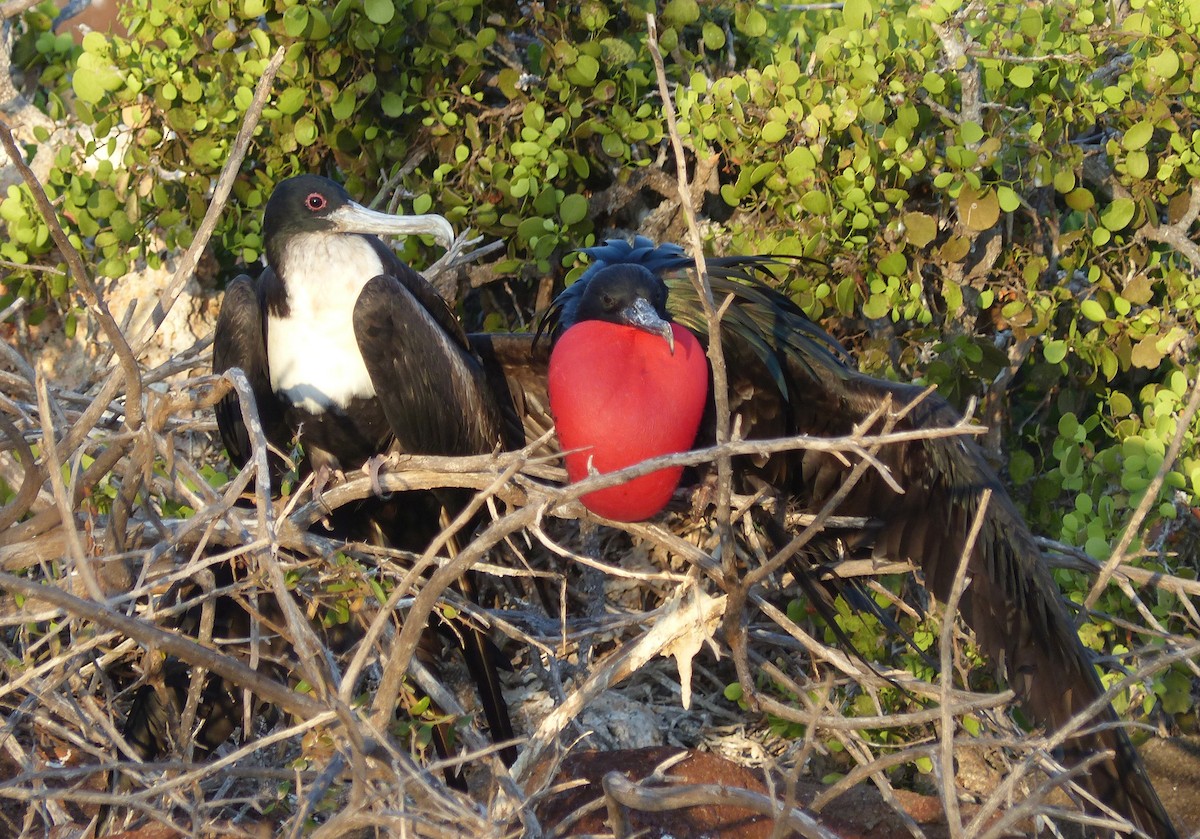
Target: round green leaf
{"x":1164,"y":65}
{"x":876,"y":307}
{"x":1054,"y":351}
{"x":290,"y":101}
{"x":588,"y":67}
{"x":815,"y":201}
{"x":893,"y":265}
{"x":773,"y":132}
{"x":573,"y":209}
{"x":714,"y":36}
{"x":305,"y":131}
{"x":392,"y":104}
{"x":1118,"y":214}
{"x":1093,"y":311}
{"x":1009,"y":200}
{"x":856,"y":14}
{"x":1137,"y":135}
{"x":1080,"y":199}
{"x":1137,"y":164}
{"x":919,"y":228}
{"x":1020,"y":467}
{"x":1021,"y":76}
{"x":379,"y":11}
{"x":295,"y":20}
{"x":681,"y":12}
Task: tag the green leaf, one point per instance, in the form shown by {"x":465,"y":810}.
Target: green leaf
{"x":856,"y":14}
{"x":773,"y":132}
{"x":290,"y":101}
{"x":1093,"y":310}
{"x":295,"y":20}
{"x":1021,"y":76}
{"x":392,"y":104}
{"x":1080,"y":199}
{"x":681,"y":12}
{"x":305,"y":131}
{"x":1020,"y":467}
{"x":845,"y":295}
{"x":1118,"y":214}
{"x":1009,"y":200}
{"x":750,"y":21}
{"x":1164,"y":65}
{"x":573,"y":209}
{"x":893,"y":265}
{"x":714,"y":36}
{"x":1137,"y":135}
{"x":588,"y":67}
{"x":1054,"y":351}
{"x":379,"y":11}
{"x":876,"y":307}
{"x":970,"y":132}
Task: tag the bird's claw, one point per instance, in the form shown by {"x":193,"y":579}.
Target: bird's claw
{"x":325,"y":476}
{"x":372,"y":466}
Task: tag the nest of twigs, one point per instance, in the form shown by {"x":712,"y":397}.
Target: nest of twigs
{"x":127,"y":535}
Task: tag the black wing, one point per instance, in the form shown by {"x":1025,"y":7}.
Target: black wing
{"x":433,"y":390}
{"x":240,"y":341}
{"x":1011,"y":601}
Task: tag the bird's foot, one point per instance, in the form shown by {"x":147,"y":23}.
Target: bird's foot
{"x":324,"y":477}
{"x":372,"y":466}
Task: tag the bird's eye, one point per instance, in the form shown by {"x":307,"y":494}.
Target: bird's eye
{"x":315,"y":201}
{"x":607,"y":301}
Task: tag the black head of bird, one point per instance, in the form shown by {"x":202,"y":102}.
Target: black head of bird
{"x":624,"y":293}
{"x":625,"y":385}
{"x":306,"y":209}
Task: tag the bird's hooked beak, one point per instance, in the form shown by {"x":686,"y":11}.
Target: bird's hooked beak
{"x":355,"y":218}
{"x":641,"y":315}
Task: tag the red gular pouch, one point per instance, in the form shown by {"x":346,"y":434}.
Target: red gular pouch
{"x":620,"y":396}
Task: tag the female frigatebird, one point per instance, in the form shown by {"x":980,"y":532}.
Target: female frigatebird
{"x":355,"y":354}
{"x":788,"y":377}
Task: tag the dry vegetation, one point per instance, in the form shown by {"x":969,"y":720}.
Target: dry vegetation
{"x":117,"y":538}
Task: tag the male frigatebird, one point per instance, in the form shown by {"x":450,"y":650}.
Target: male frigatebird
{"x":642,"y":396}
{"x":788,"y":377}
{"x":356,"y":354}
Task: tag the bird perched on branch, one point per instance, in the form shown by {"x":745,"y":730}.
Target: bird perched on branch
{"x":355,"y":354}
{"x":788,"y":377}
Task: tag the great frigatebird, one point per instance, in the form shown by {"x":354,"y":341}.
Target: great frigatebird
{"x":641,"y":397}
{"x":356,"y":354}
{"x":788,"y":377}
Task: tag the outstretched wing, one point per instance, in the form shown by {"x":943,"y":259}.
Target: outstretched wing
{"x":1011,"y":601}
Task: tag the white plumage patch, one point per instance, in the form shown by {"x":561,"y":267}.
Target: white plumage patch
{"x":312,"y":354}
